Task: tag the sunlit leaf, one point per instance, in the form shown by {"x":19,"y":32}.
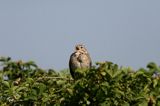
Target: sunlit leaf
{"x":6,"y":83}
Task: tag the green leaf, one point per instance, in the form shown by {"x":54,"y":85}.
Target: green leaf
{"x":60,"y":82}
{"x":126,"y":103}
{"x":155,"y":82}
{"x":88,"y":102}
{"x":70,"y":91}
{"x":145,"y":103}
{"x":6,"y":83}
{"x":34,"y":91}
{"x":106,"y":84}
{"x":117,"y":73}
{"x":30,"y":80}
{"x":21,"y":88}
{"x":103,"y":73}
{"x":31,"y":97}
{"x":42,"y":88}
{"x":152,"y":65}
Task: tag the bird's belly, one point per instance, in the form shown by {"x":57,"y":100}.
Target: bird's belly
{"x":76,"y":65}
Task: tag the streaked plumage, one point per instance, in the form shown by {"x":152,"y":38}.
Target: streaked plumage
{"x":79,"y":59}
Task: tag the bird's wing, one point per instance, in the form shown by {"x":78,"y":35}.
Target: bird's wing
{"x":90,"y":61}
{"x":71,"y":65}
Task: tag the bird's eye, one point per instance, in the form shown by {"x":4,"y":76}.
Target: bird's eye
{"x":77,"y":48}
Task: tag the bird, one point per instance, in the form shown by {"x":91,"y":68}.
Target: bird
{"x":79,"y":59}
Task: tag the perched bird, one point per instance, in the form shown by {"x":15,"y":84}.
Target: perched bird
{"x":79,"y":59}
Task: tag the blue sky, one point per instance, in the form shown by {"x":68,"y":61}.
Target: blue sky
{"x":45,"y":31}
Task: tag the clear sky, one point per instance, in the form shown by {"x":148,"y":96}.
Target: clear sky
{"x":126,"y":32}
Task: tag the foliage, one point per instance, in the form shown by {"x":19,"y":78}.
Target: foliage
{"x":106,"y":84}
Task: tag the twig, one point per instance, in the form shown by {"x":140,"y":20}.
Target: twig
{"x":54,"y":78}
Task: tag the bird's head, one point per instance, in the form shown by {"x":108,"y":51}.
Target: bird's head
{"x":81,"y":47}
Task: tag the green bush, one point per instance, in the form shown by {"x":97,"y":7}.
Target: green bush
{"x":106,"y":84}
